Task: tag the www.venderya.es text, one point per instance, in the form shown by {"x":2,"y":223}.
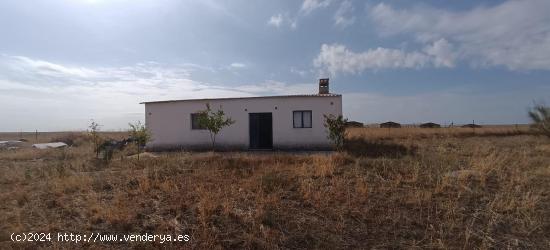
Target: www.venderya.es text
{"x":97,"y":237}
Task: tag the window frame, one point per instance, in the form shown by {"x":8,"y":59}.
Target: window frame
{"x":302,"y":118}
{"x":198,"y":127}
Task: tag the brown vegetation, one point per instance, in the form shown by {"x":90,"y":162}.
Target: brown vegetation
{"x":429,"y":188}
{"x":453,"y":132}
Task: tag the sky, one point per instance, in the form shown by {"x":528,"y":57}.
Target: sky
{"x":65,"y":62}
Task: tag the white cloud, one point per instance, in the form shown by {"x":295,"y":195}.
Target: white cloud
{"x":36,"y":94}
{"x":275,"y":87}
{"x":514,"y":34}
{"x":310,"y":5}
{"x":280,"y":20}
{"x":276,"y":20}
{"x":293,"y":23}
{"x":442,"y":53}
{"x":301,"y":73}
{"x":342,"y":17}
{"x":31,"y":98}
{"x":50,"y":69}
{"x":238,"y":65}
{"x":337,"y":58}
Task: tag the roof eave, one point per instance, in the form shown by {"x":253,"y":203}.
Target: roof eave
{"x":250,"y":97}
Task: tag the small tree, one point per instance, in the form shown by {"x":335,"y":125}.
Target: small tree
{"x":140,"y":134}
{"x":213,"y":121}
{"x":336,"y":129}
{"x":540,"y":115}
{"x":93,"y":132}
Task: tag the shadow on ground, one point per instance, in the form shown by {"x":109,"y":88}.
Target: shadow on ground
{"x":360,"y":147}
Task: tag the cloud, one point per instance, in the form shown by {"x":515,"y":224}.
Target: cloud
{"x":442,"y":53}
{"x":299,"y":72}
{"x":37,"y":94}
{"x":280,"y":20}
{"x":513,"y":34}
{"x":337,"y":58}
{"x":276,"y":20}
{"x":50,"y":69}
{"x":342,"y":16}
{"x":32,"y":97}
{"x":293,"y":23}
{"x":310,"y":5}
{"x":271,"y":87}
{"x":238,"y":65}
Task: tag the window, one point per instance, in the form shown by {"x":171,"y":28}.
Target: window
{"x":195,"y":121}
{"x":302,"y":119}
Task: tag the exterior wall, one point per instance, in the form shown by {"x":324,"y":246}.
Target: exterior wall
{"x":170,"y":122}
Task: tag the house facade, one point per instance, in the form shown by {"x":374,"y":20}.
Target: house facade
{"x":268,"y":122}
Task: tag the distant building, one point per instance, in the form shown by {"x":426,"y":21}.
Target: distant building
{"x":266,"y":122}
{"x":430,"y":125}
{"x":390,"y":124}
{"x":471,"y":125}
{"x":354,"y":124}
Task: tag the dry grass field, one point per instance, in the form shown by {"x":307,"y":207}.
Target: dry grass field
{"x":415,"y":132}
{"x":402,"y":188}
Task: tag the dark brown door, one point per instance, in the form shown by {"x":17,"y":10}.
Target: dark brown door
{"x":261,"y":130}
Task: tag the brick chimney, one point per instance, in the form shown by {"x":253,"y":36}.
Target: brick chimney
{"x":323,"y":86}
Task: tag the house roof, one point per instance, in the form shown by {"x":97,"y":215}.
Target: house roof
{"x":390,"y":122}
{"x":250,"y":97}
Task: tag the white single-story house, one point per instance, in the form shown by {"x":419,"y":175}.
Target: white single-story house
{"x":266,"y":122}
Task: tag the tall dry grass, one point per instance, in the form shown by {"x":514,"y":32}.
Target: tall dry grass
{"x":415,"y":132}
{"x":412,"y":191}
